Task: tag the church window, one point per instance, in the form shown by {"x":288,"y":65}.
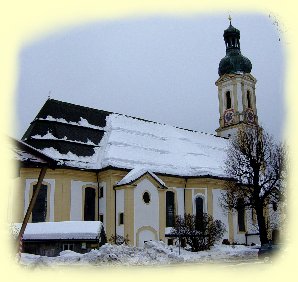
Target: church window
{"x":248,"y":99}
{"x":100,"y":192}
{"x":146,"y":197}
{"x":170,"y":209}
{"x":121,"y":218}
{"x":39,"y":212}
{"x":89,"y":205}
{"x":241,"y":216}
{"x":228,"y":100}
{"x":199,"y":207}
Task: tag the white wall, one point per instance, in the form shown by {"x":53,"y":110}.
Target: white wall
{"x":180,"y":201}
{"x":145,"y":235}
{"x":239,"y":97}
{"x":119,"y":209}
{"x":218,"y":213}
{"x":146,"y":214}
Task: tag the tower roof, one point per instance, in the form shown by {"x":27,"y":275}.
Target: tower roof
{"x":234,"y":61}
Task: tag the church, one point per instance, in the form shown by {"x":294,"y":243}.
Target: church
{"x":132,"y":174}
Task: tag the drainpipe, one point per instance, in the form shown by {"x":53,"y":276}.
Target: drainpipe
{"x":32,"y":202}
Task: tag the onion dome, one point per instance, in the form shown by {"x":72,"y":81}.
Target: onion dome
{"x":234,"y":61}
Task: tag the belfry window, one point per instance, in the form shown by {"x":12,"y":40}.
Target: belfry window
{"x":228,"y":100}
{"x":39,"y":212}
{"x":170,"y":209}
{"x":89,"y":204}
{"x":248,"y":99}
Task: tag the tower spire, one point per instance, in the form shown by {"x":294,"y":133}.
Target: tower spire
{"x":236,"y":87}
{"x":230,"y":19}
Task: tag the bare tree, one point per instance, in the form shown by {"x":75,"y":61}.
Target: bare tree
{"x":257,"y":166}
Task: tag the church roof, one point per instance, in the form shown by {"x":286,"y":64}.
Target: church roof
{"x":30,"y":156}
{"x":136,"y":174}
{"x":86,"y":138}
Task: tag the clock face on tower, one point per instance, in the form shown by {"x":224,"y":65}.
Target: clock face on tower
{"x":250,"y":117}
{"x":228,"y":116}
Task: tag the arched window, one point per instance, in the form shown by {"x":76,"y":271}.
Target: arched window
{"x":241,"y":215}
{"x":228,"y":100}
{"x":39,"y":212}
{"x":248,"y":99}
{"x":89,"y":204}
{"x":170,"y":209}
{"x":199,"y":207}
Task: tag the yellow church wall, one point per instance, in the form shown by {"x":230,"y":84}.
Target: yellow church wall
{"x":16,"y":200}
{"x":129,"y":214}
{"x":62,"y":188}
{"x":62,"y":202}
{"x":162,"y":214}
{"x":111,"y":177}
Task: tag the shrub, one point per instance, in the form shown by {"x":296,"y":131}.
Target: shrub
{"x":119,"y":240}
{"x":225,"y":242}
{"x":200,"y":232}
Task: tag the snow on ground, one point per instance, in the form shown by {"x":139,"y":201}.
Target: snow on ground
{"x":153,"y":253}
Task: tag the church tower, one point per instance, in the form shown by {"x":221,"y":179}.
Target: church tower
{"x":236,"y":87}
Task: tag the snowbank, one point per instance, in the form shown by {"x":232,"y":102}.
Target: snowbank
{"x":153,"y":253}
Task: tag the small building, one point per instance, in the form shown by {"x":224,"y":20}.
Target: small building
{"x":50,"y":238}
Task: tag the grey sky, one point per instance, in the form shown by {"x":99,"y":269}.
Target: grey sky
{"x":158,"y":68}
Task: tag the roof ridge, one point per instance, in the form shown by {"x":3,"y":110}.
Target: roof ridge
{"x":138,"y":118}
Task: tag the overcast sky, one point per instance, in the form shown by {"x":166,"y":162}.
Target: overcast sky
{"x":160,"y":68}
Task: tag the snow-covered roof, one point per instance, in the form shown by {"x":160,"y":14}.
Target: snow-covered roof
{"x":87,"y":138}
{"x":60,"y":230}
{"x":136,"y":173}
{"x":25,"y":153}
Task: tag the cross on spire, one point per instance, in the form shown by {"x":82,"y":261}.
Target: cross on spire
{"x":230,"y":19}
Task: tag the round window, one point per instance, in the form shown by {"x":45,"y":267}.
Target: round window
{"x":146,"y":198}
